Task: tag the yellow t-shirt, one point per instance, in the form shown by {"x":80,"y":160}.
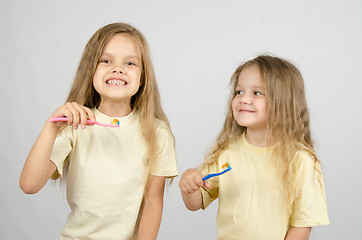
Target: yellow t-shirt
{"x":250,"y":206}
{"x":107,"y":175}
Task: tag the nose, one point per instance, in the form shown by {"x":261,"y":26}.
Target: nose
{"x":245,"y":99}
{"x":117,"y":69}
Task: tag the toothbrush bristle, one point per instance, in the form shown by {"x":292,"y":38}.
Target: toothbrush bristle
{"x":225,"y":166}
{"x":115,"y":122}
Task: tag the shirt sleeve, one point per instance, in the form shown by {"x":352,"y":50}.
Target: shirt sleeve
{"x":63,"y":145}
{"x":309,"y":206}
{"x":209,"y":195}
{"x":166,"y":162}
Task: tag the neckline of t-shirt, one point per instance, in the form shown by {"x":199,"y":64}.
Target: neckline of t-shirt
{"x":253,"y":148}
{"x":122,"y":121}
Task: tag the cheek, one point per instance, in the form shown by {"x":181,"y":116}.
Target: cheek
{"x":96,"y":77}
{"x":234,"y":103}
{"x":261,"y":104}
{"x":95,"y":82}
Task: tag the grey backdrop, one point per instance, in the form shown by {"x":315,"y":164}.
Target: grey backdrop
{"x":195,"y":47}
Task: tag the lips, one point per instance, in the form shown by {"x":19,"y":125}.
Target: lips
{"x":246,"y":111}
{"x":116,"y":81}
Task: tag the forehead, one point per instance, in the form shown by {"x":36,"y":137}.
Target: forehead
{"x":250,"y":76}
{"x":122,"y":43}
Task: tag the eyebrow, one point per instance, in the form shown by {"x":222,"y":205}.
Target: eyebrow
{"x":105,"y":54}
{"x":253,"y":87}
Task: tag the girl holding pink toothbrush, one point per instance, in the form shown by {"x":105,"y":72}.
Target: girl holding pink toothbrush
{"x":115,"y":175}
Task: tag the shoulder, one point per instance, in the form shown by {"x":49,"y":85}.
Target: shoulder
{"x":234,"y":144}
{"x":308,"y":168}
{"x":162,"y":127}
{"x":305,"y":160}
{"x":160,"y":124}
{"x":163,"y":131}
{"x":230,"y":152}
{"x":234,"y":140}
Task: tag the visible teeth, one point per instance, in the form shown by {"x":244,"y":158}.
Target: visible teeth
{"x":116,"y":82}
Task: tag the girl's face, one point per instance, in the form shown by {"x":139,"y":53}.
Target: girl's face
{"x":118,"y":73}
{"x":249,"y":104}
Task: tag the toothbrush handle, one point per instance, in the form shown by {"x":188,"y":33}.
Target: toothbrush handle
{"x":215,"y":174}
{"x":64,"y":119}
{"x":58,"y":119}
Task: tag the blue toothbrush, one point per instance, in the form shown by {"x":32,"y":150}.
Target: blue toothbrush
{"x":228,"y":168}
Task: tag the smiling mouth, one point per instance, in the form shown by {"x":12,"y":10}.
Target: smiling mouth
{"x":116,"y":82}
{"x":246,"y":111}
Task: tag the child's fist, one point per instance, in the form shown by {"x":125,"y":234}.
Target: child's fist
{"x":191,"y":181}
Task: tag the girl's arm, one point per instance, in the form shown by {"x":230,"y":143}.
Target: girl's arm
{"x":38,"y":168}
{"x":152,"y":209}
{"x":190,"y":184}
{"x":298,"y":233}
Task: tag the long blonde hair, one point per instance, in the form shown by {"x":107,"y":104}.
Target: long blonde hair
{"x":288,"y":121}
{"x":146,"y":101}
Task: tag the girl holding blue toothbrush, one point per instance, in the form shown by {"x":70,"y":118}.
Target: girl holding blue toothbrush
{"x":115,"y":175}
{"x":275,"y":189}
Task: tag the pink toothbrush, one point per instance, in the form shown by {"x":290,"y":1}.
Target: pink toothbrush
{"x":64,"y":119}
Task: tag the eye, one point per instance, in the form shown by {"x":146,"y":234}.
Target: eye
{"x":105,"y":61}
{"x":239,"y":92}
{"x":257,"y":93}
{"x":130,"y":64}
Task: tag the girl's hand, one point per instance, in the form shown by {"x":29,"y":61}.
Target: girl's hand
{"x":76,"y":114}
{"x":191,"y":181}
